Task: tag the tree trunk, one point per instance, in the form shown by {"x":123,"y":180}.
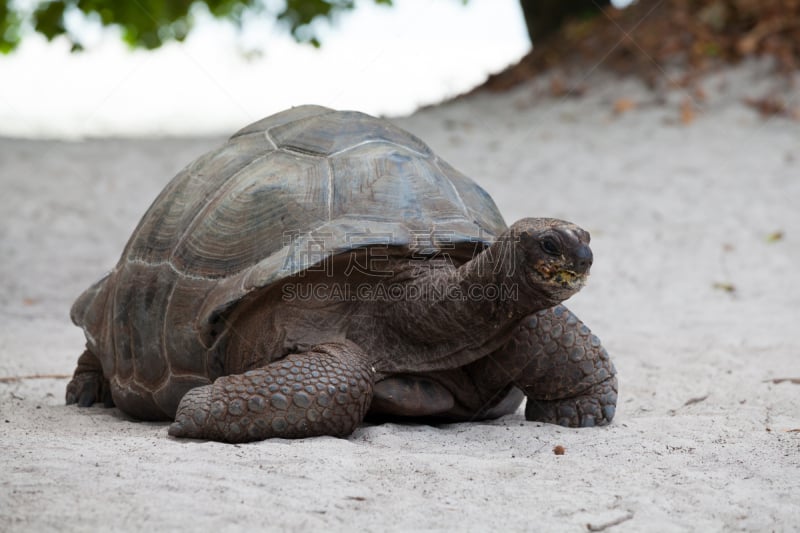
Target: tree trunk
{"x":545,"y":17}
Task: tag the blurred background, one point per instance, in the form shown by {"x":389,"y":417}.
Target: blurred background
{"x":375,"y":58}
{"x":76,"y":68}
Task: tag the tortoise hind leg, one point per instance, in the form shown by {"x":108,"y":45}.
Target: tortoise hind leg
{"x":325,"y":391}
{"x":88,"y":385}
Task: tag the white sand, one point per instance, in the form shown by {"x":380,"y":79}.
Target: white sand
{"x":703,"y":440}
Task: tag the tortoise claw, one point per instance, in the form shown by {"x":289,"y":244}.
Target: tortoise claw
{"x":108,"y":400}
{"x":88,"y":385}
{"x":87,"y":388}
{"x":87,"y":397}
{"x":190,"y":420}
{"x":178,"y":429}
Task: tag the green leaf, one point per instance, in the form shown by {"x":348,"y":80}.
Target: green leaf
{"x":9,"y":28}
{"x":150,"y":23}
{"x":48,"y":19}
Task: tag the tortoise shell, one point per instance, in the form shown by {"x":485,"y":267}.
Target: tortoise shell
{"x":281,"y":195}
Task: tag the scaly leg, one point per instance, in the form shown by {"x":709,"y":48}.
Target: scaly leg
{"x":561,"y":367}
{"x":325,"y":391}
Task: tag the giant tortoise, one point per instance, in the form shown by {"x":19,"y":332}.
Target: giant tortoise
{"x":323,"y":267}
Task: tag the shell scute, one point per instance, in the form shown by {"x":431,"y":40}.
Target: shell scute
{"x":327,"y":134}
{"x":371,"y":177}
{"x":172,"y":213}
{"x":247,"y":221}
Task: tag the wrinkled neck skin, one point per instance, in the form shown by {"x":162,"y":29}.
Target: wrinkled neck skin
{"x":472,"y":303}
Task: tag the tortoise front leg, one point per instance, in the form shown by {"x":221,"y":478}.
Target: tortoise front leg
{"x":561,"y":367}
{"x":325,"y":391}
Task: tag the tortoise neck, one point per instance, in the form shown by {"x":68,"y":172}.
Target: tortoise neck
{"x":476,"y":301}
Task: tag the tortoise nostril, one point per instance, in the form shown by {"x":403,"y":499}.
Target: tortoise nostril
{"x":583,"y":259}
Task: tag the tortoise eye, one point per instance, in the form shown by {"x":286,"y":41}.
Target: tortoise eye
{"x":550,"y":246}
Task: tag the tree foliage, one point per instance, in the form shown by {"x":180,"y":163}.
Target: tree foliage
{"x":150,"y":23}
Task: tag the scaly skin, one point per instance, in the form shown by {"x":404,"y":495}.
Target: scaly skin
{"x":325,"y":391}
{"x":561,"y":367}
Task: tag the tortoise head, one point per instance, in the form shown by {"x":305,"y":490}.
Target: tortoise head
{"x":554,"y":256}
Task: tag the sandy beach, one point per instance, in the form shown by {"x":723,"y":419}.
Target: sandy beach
{"x":696,"y":234}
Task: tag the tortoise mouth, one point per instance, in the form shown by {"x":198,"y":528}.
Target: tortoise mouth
{"x":569,"y":279}
{"x":558,"y":280}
